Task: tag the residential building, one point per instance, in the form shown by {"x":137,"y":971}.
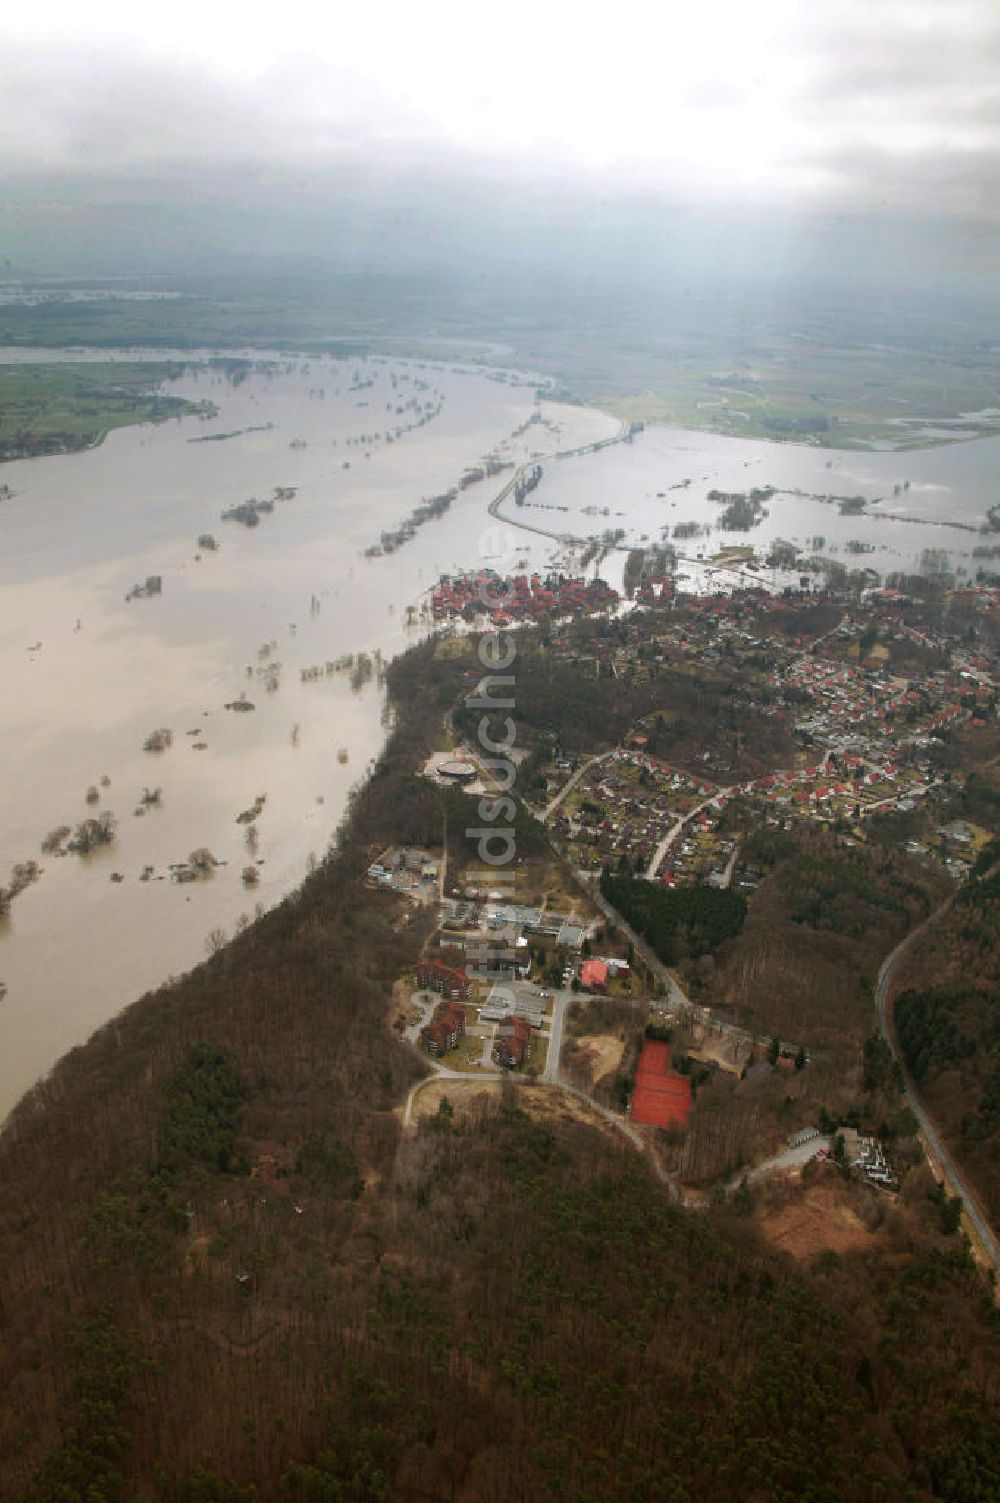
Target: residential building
{"x":594,"y":975}
{"x":445,"y":1028}
{"x":450,"y":981}
{"x":513,"y":1042}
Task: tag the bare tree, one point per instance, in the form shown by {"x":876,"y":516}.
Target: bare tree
{"x":215,"y":941}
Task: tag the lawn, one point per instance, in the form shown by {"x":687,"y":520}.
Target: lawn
{"x":466,"y":1054}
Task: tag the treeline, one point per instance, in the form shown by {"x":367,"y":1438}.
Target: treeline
{"x":940,"y":1028}
{"x":110,"y":1168}
{"x":849,"y":894}
{"x":951,"y":1044}
{"x":542,"y":1373}
{"x":678,"y":921}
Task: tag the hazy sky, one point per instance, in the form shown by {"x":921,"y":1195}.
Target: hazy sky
{"x":834,"y":101}
{"x":883,"y":108}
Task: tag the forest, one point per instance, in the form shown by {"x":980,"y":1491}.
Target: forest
{"x":680,"y":921}
{"x":819,"y":924}
{"x":229,"y":1274}
{"x":684,"y":711}
{"x":947,"y":1020}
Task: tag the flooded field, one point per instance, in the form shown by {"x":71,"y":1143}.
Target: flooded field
{"x":268,"y":612}
{"x":88,"y":675}
{"x":919,"y":504}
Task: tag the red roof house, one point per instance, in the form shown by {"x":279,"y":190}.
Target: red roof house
{"x":594,"y":975}
{"x":445,"y":1029}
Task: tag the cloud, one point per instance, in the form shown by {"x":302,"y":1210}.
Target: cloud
{"x":98,"y":110}
{"x":842,"y":106}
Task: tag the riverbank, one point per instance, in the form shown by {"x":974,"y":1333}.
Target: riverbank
{"x":62,"y":408}
{"x":89,"y":675}
{"x":220,"y":1177}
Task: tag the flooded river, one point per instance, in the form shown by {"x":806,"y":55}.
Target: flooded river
{"x":660,"y":479}
{"x":87,"y":676}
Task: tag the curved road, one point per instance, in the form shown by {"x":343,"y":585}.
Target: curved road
{"x":551,"y":1077}
{"x":570,"y":784}
{"x":949,"y":1169}
{"x":623,"y":434}
{"x":441,"y":1072}
{"x":656,"y":860}
{"x":791,"y":1158}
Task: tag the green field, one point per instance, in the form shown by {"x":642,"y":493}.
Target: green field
{"x":837,"y":398}
{"x":838,"y":373}
{"x":57,"y":409}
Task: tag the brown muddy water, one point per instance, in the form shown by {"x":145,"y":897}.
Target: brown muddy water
{"x":86,"y":675}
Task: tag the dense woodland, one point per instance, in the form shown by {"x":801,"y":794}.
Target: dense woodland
{"x":588,"y":708}
{"x":678,"y":922}
{"x":818,"y":927}
{"x":227,"y":1274}
{"x":948,"y":1025}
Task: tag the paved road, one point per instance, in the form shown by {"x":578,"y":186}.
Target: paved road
{"x":949,"y":1169}
{"x":628,"y":1131}
{"x":811,"y":646}
{"x":550,"y":1077}
{"x":560,"y":1002}
{"x":442,"y":1072}
{"x":553,"y":805}
{"x":789,"y":1159}
{"x":656,"y":861}
{"x":674,"y":832}
{"x":624,"y":433}
{"x":678,"y":999}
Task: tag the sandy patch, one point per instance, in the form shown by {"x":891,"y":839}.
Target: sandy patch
{"x":600,"y":1054}
{"x":461,"y":1093}
{"x":402,"y":1007}
{"x":545,"y":1103}
{"x":816,"y":1220}
{"x":719,"y":1049}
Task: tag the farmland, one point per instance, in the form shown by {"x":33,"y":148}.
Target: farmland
{"x":59,"y":408}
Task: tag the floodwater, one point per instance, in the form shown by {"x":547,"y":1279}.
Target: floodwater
{"x":86,"y":676}
{"x":639,"y":487}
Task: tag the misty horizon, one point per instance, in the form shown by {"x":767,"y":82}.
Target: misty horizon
{"x":740,"y":147}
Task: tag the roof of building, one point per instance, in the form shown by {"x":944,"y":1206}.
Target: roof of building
{"x":456,"y":768}
{"x":437,"y":1033}
{"x":514,"y":913}
{"x":593,"y":973}
{"x":441,"y":967}
{"x":514,"y":1027}
{"x":570,"y":935}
